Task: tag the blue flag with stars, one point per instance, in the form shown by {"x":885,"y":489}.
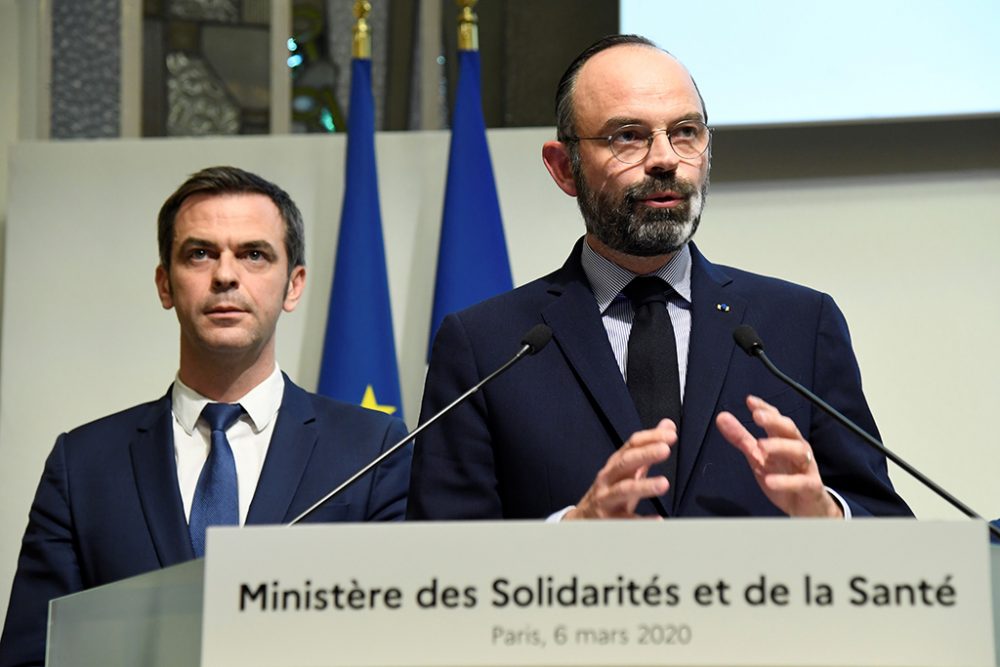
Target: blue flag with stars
{"x":472,"y":256}
{"x":359,"y":352}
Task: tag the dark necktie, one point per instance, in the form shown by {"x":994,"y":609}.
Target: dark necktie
{"x":651,"y":373}
{"x":216,"y":498}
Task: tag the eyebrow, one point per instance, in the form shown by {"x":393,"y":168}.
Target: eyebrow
{"x":612,"y":124}
{"x":195,"y":242}
{"x":258,"y":245}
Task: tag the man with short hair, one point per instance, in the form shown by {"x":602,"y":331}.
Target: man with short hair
{"x":642,"y":349}
{"x":233,"y":441}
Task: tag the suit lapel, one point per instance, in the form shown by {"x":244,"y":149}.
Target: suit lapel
{"x":716,"y":310}
{"x":155,"y":470}
{"x":291,"y":446}
{"x":578,"y":331}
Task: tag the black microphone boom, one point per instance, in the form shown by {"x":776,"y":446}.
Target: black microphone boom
{"x":532,"y":343}
{"x":748,"y":341}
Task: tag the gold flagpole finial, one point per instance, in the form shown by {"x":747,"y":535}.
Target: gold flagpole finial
{"x":362,"y":45}
{"x":468,"y":26}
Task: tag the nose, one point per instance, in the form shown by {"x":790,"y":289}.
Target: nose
{"x":224,"y":274}
{"x":661,"y":155}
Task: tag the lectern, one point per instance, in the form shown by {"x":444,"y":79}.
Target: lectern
{"x":682,"y":592}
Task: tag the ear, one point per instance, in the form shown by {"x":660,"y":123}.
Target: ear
{"x":296,"y":285}
{"x":162,"y":280}
{"x":555,"y":155}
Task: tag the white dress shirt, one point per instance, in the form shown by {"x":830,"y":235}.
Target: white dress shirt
{"x":249,"y":437}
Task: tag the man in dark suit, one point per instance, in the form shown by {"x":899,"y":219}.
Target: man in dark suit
{"x":135,"y":491}
{"x":642,"y":339}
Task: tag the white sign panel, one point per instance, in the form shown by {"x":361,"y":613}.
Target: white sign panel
{"x":719,"y":592}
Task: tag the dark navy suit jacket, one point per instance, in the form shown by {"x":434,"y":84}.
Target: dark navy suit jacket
{"x":532,"y":442}
{"x":108,"y":505}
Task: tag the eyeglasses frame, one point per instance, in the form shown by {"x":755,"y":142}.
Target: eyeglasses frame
{"x":649,"y":139}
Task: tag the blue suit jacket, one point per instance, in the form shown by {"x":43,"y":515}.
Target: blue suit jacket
{"x":532,"y":442}
{"x":108,"y":505}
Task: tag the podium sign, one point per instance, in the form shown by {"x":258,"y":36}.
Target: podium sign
{"x":681,"y":592}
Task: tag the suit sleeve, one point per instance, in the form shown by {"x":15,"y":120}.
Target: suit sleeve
{"x":454,"y":474}
{"x":847,"y":464}
{"x":387,"y":498}
{"x":47,"y":567}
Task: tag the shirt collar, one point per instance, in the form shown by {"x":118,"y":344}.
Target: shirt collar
{"x":607,"y":279}
{"x":260,"y":403}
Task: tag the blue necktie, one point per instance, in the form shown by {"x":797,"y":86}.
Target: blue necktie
{"x":216,"y":498}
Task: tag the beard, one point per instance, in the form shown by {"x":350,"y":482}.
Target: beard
{"x":628,"y":226}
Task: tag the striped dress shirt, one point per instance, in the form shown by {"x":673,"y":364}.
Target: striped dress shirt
{"x":607,"y":280}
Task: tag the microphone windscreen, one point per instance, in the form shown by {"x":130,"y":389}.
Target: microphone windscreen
{"x":537,"y":338}
{"x":748,"y":340}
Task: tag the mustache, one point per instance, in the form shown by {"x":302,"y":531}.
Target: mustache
{"x":229,"y":301}
{"x":654,"y":184}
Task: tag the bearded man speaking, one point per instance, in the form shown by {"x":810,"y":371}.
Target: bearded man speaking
{"x":643,"y":405}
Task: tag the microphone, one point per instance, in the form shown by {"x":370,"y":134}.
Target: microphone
{"x":748,"y":341}
{"x":532,"y":343}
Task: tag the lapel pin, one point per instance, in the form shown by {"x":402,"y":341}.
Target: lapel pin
{"x":722,"y":307}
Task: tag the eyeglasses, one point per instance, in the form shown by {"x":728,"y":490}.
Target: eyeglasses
{"x":631,"y":143}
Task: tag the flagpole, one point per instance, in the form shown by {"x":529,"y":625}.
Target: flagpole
{"x":468,"y":26}
{"x":472,"y":260}
{"x":359,"y":354}
{"x":361,"y":46}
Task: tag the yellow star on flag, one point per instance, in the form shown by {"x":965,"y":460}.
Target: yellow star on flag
{"x":368,"y":401}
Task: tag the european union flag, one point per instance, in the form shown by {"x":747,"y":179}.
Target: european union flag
{"x":359,"y":353}
{"x":472,"y":257}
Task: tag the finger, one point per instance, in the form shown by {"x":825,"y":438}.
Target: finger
{"x":802,"y":486}
{"x":739,"y":437}
{"x":795,"y":500}
{"x":800,"y":495}
{"x":784,"y":454}
{"x":758,"y":403}
{"x":775,"y":424}
{"x":636,"y":489}
{"x":621,"y":498}
{"x":626,"y":463}
{"x":665,"y":431}
{"x":629,"y":492}
{"x":667,"y":427}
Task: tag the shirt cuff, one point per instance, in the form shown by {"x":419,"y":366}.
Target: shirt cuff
{"x":844,"y":507}
{"x":556,"y":517}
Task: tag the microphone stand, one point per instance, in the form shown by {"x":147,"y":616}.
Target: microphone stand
{"x":537,"y":338}
{"x":754,"y":347}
